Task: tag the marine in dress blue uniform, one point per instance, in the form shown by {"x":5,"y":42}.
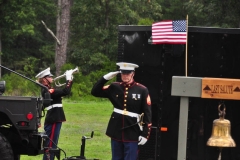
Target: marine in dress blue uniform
{"x":55,"y":113}
{"x":130,"y":122}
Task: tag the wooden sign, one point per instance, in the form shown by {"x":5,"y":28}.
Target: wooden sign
{"x":221,"y":88}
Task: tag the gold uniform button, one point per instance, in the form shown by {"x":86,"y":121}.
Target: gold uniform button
{"x":125,"y":105}
{"x":126,"y":88}
{"x":116,"y":95}
{"x":126,"y":92}
{"x":125,"y":100}
{"x":126,"y":96}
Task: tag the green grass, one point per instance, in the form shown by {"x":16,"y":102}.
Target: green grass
{"x":82,"y":119}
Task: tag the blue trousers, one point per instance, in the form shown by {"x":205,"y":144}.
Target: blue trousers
{"x":53,"y":132}
{"x":124,"y":150}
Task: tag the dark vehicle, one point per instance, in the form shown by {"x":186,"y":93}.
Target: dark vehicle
{"x":211,"y":52}
{"x":20,"y":119}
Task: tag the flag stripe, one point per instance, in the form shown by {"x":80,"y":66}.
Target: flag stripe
{"x":169,"y":36}
{"x":170,"y":32}
{"x":165,"y":40}
{"x":162,"y":30}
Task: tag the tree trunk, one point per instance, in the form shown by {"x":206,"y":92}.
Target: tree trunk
{"x":63,"y":22}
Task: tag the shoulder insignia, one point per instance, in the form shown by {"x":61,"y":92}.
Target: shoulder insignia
{"x":51,"y":90}
{"x":148,"y":100}
{"x":105,"y":87}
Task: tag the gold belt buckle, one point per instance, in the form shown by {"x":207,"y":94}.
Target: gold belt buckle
{"x":125,"y":112}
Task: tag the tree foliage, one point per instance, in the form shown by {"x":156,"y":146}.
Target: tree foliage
{"x":27,"y":47}
{"x":94,"y":28}
{"x":173,"y":9}
{"x":23,"y":35}
{"x":214,"y":13}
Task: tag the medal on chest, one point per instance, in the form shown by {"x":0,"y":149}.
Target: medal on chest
{"x":136,"y":96}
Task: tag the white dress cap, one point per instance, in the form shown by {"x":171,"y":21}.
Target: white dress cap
{"x":127,"y":66}
{"x":44,"y":73}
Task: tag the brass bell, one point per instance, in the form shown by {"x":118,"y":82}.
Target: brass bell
{"x":221,"y":132}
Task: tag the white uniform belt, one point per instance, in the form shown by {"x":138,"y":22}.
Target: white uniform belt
{"x":53,"y":106}
{"x":125,"y":112}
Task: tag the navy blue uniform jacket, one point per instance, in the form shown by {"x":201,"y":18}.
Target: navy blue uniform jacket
{"x":57,"y":114}
{"x":134,"y":98}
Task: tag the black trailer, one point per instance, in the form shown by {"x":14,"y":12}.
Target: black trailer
{"x":211,"y":52}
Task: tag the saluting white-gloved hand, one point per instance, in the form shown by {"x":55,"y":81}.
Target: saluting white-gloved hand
{"x":110,"y":75}
{"x":69,"y":76}
{"x":142,"y":140}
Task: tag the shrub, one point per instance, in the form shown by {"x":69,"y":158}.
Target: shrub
{"x":19,"y":86}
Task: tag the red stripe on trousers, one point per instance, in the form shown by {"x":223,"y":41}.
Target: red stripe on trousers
{"x":52,"y":134}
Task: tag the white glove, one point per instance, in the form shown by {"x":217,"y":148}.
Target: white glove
{"x":142,"y":140}
{"x":110,"y":75}
{"x":69,"y":76}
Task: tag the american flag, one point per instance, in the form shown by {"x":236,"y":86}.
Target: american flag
{"x":169,"y":32}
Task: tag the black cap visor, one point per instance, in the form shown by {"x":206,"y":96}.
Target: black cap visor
{"x":126,"y":71}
